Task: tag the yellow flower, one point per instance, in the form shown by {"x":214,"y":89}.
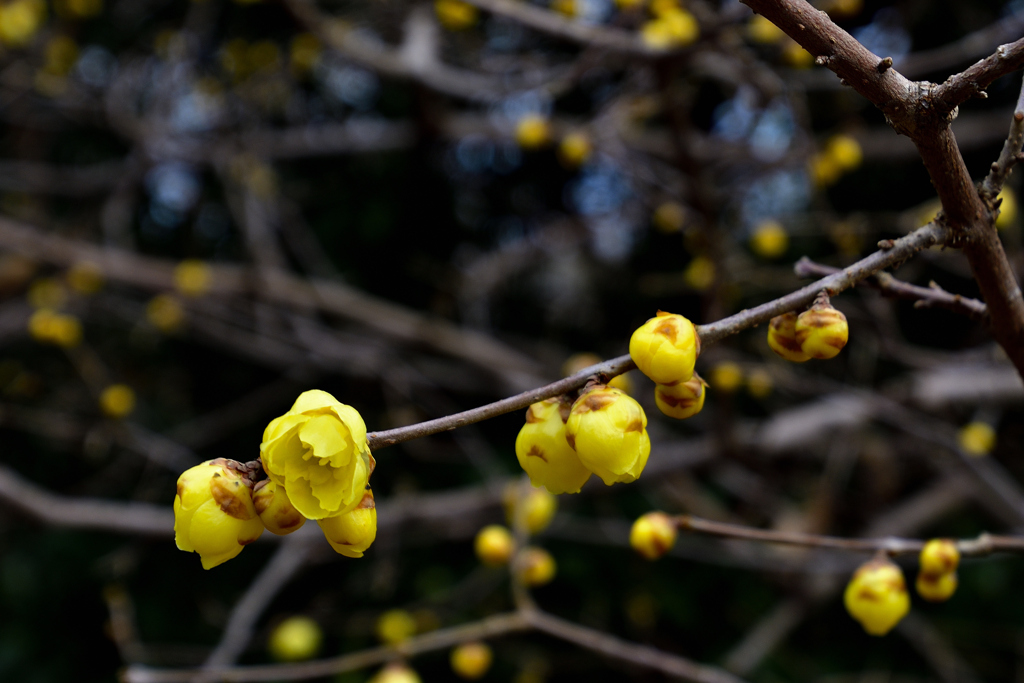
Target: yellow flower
{"x":845,"y":151}
{"x":20,"y":21}
{"x":535,"y":567}
{"x":213,"y":513}
{"x":395,"y":626}
{"x":543,"y":452}
{"x":455,"y":15}
{"x":55,"y":328}
{"x":822,"y":331}
{"x":782,"y":338}
{"x":673,"y":28}
{"x":192,"y":277}
{"x":936,"y":587}
{"x":533,"y":131}
{"x":939,"y":556}
{"x":165,"y":313}
{"x":471,"y":660}
{"x":877,"y":596}
{"x":494,"y":545}
{"x":85,"y":278}
{"x":1008,"y":209}
{"x":318,"y":452}
{"x":396,"y":673}
{"x":699,"y":273}
{"x":352,"y":532}
{"x":653,"y":535}
{"x":977,"y":438}
{"x":117,"y":400}
{"x":769,"y":240}
{"x":669,"y":217}
{"x":574,"y":150}
{"x":683,"y":399}
{"x":665,"y":348}
{"x":566,"y":8}
{"x":539,"y":506}
{"x":727,"y":377}
{"x":276,"y":511}
{"x":296,"y":639}
{"x":607,"y":429}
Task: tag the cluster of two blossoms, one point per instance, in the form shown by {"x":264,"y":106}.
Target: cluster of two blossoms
{"x":318,"y":465}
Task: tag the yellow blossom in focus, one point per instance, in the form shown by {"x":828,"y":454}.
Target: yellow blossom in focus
{"x":681,"y":400}
{"x":193,"y":277}
{"x":213,"y":513}
{"x":296,"y":639}
{"x":796,"y":56}
{"x":318,"y":452}
{"x":608,"y":431}
{"x":699,"y":273}
{"x":653,"y":535}
{"x":574,"y":150}
{"x":352,"y":532}
{"x":977,"y":438}
{"x":396,"y":673}
{"x":822,"y":331}
{"x":304,"y":53}
{"x":533,"y":131}
{"x":1008,"y":209}
{"x":760,"y":30}
{"x":759,"y":383}
{"x":669,"y":217}
{"x":769,"y":240}
{"x":877,"y":596}
{"x":276,"y":511}
{"x":494,"y":545}
{"x":665,"y":348}
{"x":545,"y":455}
{"x":845,"y":151}
{"x":455,"y":15}
{"x":535,"y":567}
{"x":47,"y":293}
{"x":727,"y":377}
{"x":471,"y":660}
{"x":165,"y":313}
{"x":85,"y":278}
{"x":50,"y":327}
{"x":538,"y":506}
{"x":117,"y":401}
{"x":20,"y":21}
{"x":395,"y":626}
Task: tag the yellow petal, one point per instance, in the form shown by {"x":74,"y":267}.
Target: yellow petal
{"x":325,"y":435}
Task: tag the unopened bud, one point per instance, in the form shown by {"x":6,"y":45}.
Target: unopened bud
{"x":608,"y":431}
{"x":653,"y":535}
{"x":681,"y":400}
{"x":295,"y":639}
{"x":494,"y":545}
{"x":351,"y":533}
{"x":395,"y":626}
{"x":546,"y":456}
{"x":782,"y":338}
{"x":278,"y":514}
{"x":536,"y":567}
{"x":471,"y":660}
{"x":538,"y":505}
{"x":937,"y":587}
{"x":665,"y":348}
{"x":877,"y":596}
{"x":822,"y":330}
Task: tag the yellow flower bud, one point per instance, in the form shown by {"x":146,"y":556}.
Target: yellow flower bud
{"x":455,"y":15}
{"x":977,"y":438}
{"x":769,"y":239}
{"x":543,"y":452}
{"x":936,"y":587}
{"x":822,"y":331}
{"x":494,"y":545}
{"x":165,"y":313}
{"x":535,"y":567}
{"x":533,"y":131}
{"x":396,"y":626}
{"x":760,"y":30}
{"x":699,"y":273}
{"x":845,"y":151}
{"x":877,"y":596}
{"x":727,"y":377}
{"x":85,"y":278}
{"x":939,"y":556}
{"x":683,"y":399}
{"x":213,"y":513}
{"x":665,"y":348}
{"x":471,"y":660}
{"x":574,"y":150}
{"x":759,"y":383}
{"x":673,"y":29}
{"x":193,"y":277}
{"x":396,"y":673}
{"x":117,"y":400}
{"x":295,"y":639}
{"x":539,"y":506}
{"x":276,"y":512}
{"x":318,"y":452}
{"x":352,"y":532}
{"x":607,"y":429}
{"x":47,"y":293}
{"x":782,"y":338}
{"x":669,"y":217}
{"x":1008,"y":209}
{"x":653,"y":535}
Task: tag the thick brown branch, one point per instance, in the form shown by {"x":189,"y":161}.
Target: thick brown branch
{"x":972,"y":81}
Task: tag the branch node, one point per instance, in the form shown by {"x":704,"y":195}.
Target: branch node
{"x":884,"y":65}
{"x":886,"y":244}
{"x":822,"y":60}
